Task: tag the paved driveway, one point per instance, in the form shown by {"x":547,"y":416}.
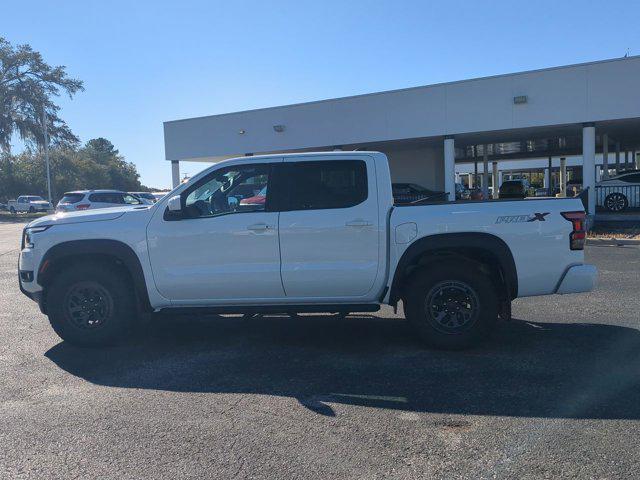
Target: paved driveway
{"x":554,"y":394}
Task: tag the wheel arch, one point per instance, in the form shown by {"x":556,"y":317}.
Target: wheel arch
{"x":482,"y":248}
{"x":110,"y":251}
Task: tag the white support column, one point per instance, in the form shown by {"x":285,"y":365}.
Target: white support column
{"x":450,"y":168}
{"x":470,"y":177}
{"x":485,"y":172}
{"x":563,"y":177}
{"x":589,"y":164}
{"x":175,"y":173}
{"x":605,"y":156}
{"x":494,"y":180}
{"x":636,"y":156}
{"x":546,"y":181}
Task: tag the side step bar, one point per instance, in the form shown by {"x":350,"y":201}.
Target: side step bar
{"x":241,"y":309}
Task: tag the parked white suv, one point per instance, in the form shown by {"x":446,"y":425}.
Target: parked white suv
{"x":620,"y":192}
{"x":91,"y":199}
{"x":28,"y":204}
{"x":324,"y":237}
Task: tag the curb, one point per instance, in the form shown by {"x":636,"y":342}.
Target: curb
{"x":613,"y":241}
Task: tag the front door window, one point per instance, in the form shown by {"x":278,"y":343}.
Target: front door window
{"x":230,"y":190}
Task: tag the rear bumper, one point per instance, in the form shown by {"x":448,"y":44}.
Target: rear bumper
{"x":578,"y":278}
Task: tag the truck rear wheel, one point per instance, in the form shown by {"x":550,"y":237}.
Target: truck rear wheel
{"x":452,"y":305}
{"x":90,"y":305}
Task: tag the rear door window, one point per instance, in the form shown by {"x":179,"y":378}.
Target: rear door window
{"x":325,"y":184}
{"x":105,"y":198}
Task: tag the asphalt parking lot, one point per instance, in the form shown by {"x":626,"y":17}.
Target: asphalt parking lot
{"x":556,"y":393}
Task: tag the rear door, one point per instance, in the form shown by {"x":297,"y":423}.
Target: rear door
{"x":329,"y":228}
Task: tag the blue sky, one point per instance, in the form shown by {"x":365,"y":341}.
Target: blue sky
{"x":146,"y":62}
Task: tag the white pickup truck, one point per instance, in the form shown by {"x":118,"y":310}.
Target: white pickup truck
{"x":28,"y":204}
{"x":302,"y":233}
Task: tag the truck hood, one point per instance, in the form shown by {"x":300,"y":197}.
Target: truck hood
{"x":97,"y":215}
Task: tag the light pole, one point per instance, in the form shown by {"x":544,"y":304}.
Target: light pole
{"x":46,"y":154}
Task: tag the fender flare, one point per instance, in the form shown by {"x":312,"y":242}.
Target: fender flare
{"x":489,"y":243}
{"x":115,"y":249}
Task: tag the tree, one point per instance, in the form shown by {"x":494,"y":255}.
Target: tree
{"x":96,"y":165}
{"x":27,"y":88}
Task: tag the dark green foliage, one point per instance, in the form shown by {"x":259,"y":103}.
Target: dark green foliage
{"x":27,"y":88}
{"x":96,"y":165}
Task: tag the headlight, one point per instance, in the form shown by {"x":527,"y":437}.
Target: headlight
{"x":27,"y":235}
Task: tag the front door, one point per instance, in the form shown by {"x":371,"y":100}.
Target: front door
{"x":225,"y":248}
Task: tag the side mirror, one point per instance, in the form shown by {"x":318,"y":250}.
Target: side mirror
{"x":174,"y":204}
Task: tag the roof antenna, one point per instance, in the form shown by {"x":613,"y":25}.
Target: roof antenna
{"x":626,"y":54}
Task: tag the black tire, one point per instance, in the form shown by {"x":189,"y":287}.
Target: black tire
{"x":616,"y":202}
{"x":32,"y":210}
{"x":452,"y":305}
{"x":12,"y":210}
{"x":90,"y":305}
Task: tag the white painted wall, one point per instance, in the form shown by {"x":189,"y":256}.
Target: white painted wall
{"x":589,"y":92}
{"x":423,"y":166}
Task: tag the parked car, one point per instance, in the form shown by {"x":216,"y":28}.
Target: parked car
{"x":462,"y":192}
{"x":476,"y":194}
{"x":28,"y":204}
{"x":146,"y":197}
{"x":518,"y":188}
{"x":411,"y":192}
{"x":3,"y":206}
{"x":620,"y":192}
{"x":331,"y":241}
{"x":90,"y":199}
{"x":259,"y":199}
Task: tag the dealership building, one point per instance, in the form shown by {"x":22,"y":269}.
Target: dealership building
{"x":587,"y":115}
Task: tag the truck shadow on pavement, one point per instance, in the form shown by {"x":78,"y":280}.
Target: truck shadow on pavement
{"x":527,"y":370}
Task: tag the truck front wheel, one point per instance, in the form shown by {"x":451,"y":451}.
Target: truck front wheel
{"x":90,"y":305}
{"x":452,"y":305}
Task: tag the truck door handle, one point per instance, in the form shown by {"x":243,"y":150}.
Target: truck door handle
{"x":258,"y":227}
{"x":359,"y":223}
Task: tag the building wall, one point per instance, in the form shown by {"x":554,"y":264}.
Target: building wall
{"x":591,"y":92}
{"x":423,"y":166}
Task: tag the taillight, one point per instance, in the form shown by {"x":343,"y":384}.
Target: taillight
{"x":82,"y":206}
{"x":579,"y":234}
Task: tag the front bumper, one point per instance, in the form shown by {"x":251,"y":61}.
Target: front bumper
{"x":37,"y":297}
{"x":27,"y":264}
{"x":578,"y":278}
